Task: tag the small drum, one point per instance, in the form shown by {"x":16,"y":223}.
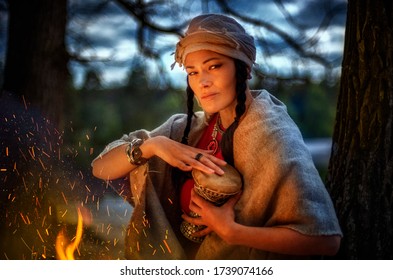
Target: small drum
{"x":214,"y":188}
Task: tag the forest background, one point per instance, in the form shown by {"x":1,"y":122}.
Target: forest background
{"x":300,"y":46}
{"x":119,"y":79}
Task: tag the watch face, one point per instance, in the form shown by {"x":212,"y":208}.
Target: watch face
{"x":137,"y":153}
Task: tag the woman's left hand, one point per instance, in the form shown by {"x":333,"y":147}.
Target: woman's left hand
{"x":217,"y":219}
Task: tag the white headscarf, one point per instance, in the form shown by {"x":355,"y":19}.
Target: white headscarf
{"x":217,"y":33}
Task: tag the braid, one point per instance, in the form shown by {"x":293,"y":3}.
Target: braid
{"x":178,"y":176}
{"x":241,"y":86}
{"x":190,"y":113}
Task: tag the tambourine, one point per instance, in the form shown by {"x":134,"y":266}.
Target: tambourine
{"x":214,"y":188}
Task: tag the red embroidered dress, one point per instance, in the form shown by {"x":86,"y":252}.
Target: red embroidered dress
{"x":207,"y":143}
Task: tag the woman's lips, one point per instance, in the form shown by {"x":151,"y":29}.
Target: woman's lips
{"x":207,"y":96}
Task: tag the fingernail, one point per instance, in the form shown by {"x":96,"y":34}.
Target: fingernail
{"x":220,"y":172}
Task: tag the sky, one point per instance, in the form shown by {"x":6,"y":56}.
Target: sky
{"x":106,"y":33}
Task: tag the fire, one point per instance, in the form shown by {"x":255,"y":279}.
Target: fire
{"x":65,"y":249}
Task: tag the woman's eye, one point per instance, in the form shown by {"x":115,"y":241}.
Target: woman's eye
{"x":191,"y":73}
{"x":215,"y":66}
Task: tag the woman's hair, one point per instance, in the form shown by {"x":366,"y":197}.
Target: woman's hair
{"x":227,"y":138}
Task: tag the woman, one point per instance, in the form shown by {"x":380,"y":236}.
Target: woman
{"x":283,"y":210}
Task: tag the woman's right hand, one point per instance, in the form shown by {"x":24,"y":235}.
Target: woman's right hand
{"x":181,"y":156}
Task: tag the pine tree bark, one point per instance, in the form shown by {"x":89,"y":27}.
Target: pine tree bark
{"x":36,"y":59}
{"x":361,"y":166}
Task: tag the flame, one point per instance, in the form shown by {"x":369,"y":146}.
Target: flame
{"x":64,"y":250}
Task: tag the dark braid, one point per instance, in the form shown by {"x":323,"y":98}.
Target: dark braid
{"x":179,"y":176}
{"x":241,"y":86}
{"x":190,"y":113}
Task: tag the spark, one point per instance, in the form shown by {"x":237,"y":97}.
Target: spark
{"x":65,"y":199}
{"x":24,"y":183}
{"x":133,"y":225}
{"x":23,"y":218}
{"x":32,"y":153}
{"x":43,"y":221}
{"x":40,"y":183}
{"x":109,"y":228}
{"x":47,"y":155}
{"x":167,"y":246}
{"x":24,"y":242}
{"x":42,"y":164}
{"x":37,"y":202}
{"x":39,"y":234}
{"x":65,"y":212}
{"x":44,"y":253}
{"x":72,"y":186}
{"x":24,"y":102}
{"x":23,"y":154}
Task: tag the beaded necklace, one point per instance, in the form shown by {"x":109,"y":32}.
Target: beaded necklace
{"x":213,"y":144}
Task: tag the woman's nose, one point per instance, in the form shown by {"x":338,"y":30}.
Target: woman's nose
{"x":205,"y":80}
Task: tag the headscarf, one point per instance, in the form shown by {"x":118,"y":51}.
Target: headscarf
{"x":217,"y":33}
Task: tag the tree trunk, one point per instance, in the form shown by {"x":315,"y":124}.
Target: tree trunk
{"x":361,"y":166}
{"x":36,"y":59}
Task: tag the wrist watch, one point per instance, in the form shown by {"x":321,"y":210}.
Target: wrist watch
{"x":134,"y":153}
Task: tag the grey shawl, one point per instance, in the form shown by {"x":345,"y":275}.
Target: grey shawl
{"x":282,"y":187}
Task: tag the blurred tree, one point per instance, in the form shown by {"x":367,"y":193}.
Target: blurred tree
{"x":312,"y":106}
{"x":92,"y":80}
{"x":36,"y":59}
{"x":361,"y":165}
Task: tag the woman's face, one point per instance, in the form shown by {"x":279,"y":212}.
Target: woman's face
{"x":212,"y":77}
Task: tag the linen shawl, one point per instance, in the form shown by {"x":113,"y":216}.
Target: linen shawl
{"x":281,"y":187}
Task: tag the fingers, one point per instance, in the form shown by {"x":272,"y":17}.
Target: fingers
{"x":208,"y":163}
{"x":193,"y":220}
{"x":197,"y":202}
{"x":202,"y":232}
{"x":233,"y":200}
{"x":198,"y":222}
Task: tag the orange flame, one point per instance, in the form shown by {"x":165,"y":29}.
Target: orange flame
{"x":64,"y":250}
